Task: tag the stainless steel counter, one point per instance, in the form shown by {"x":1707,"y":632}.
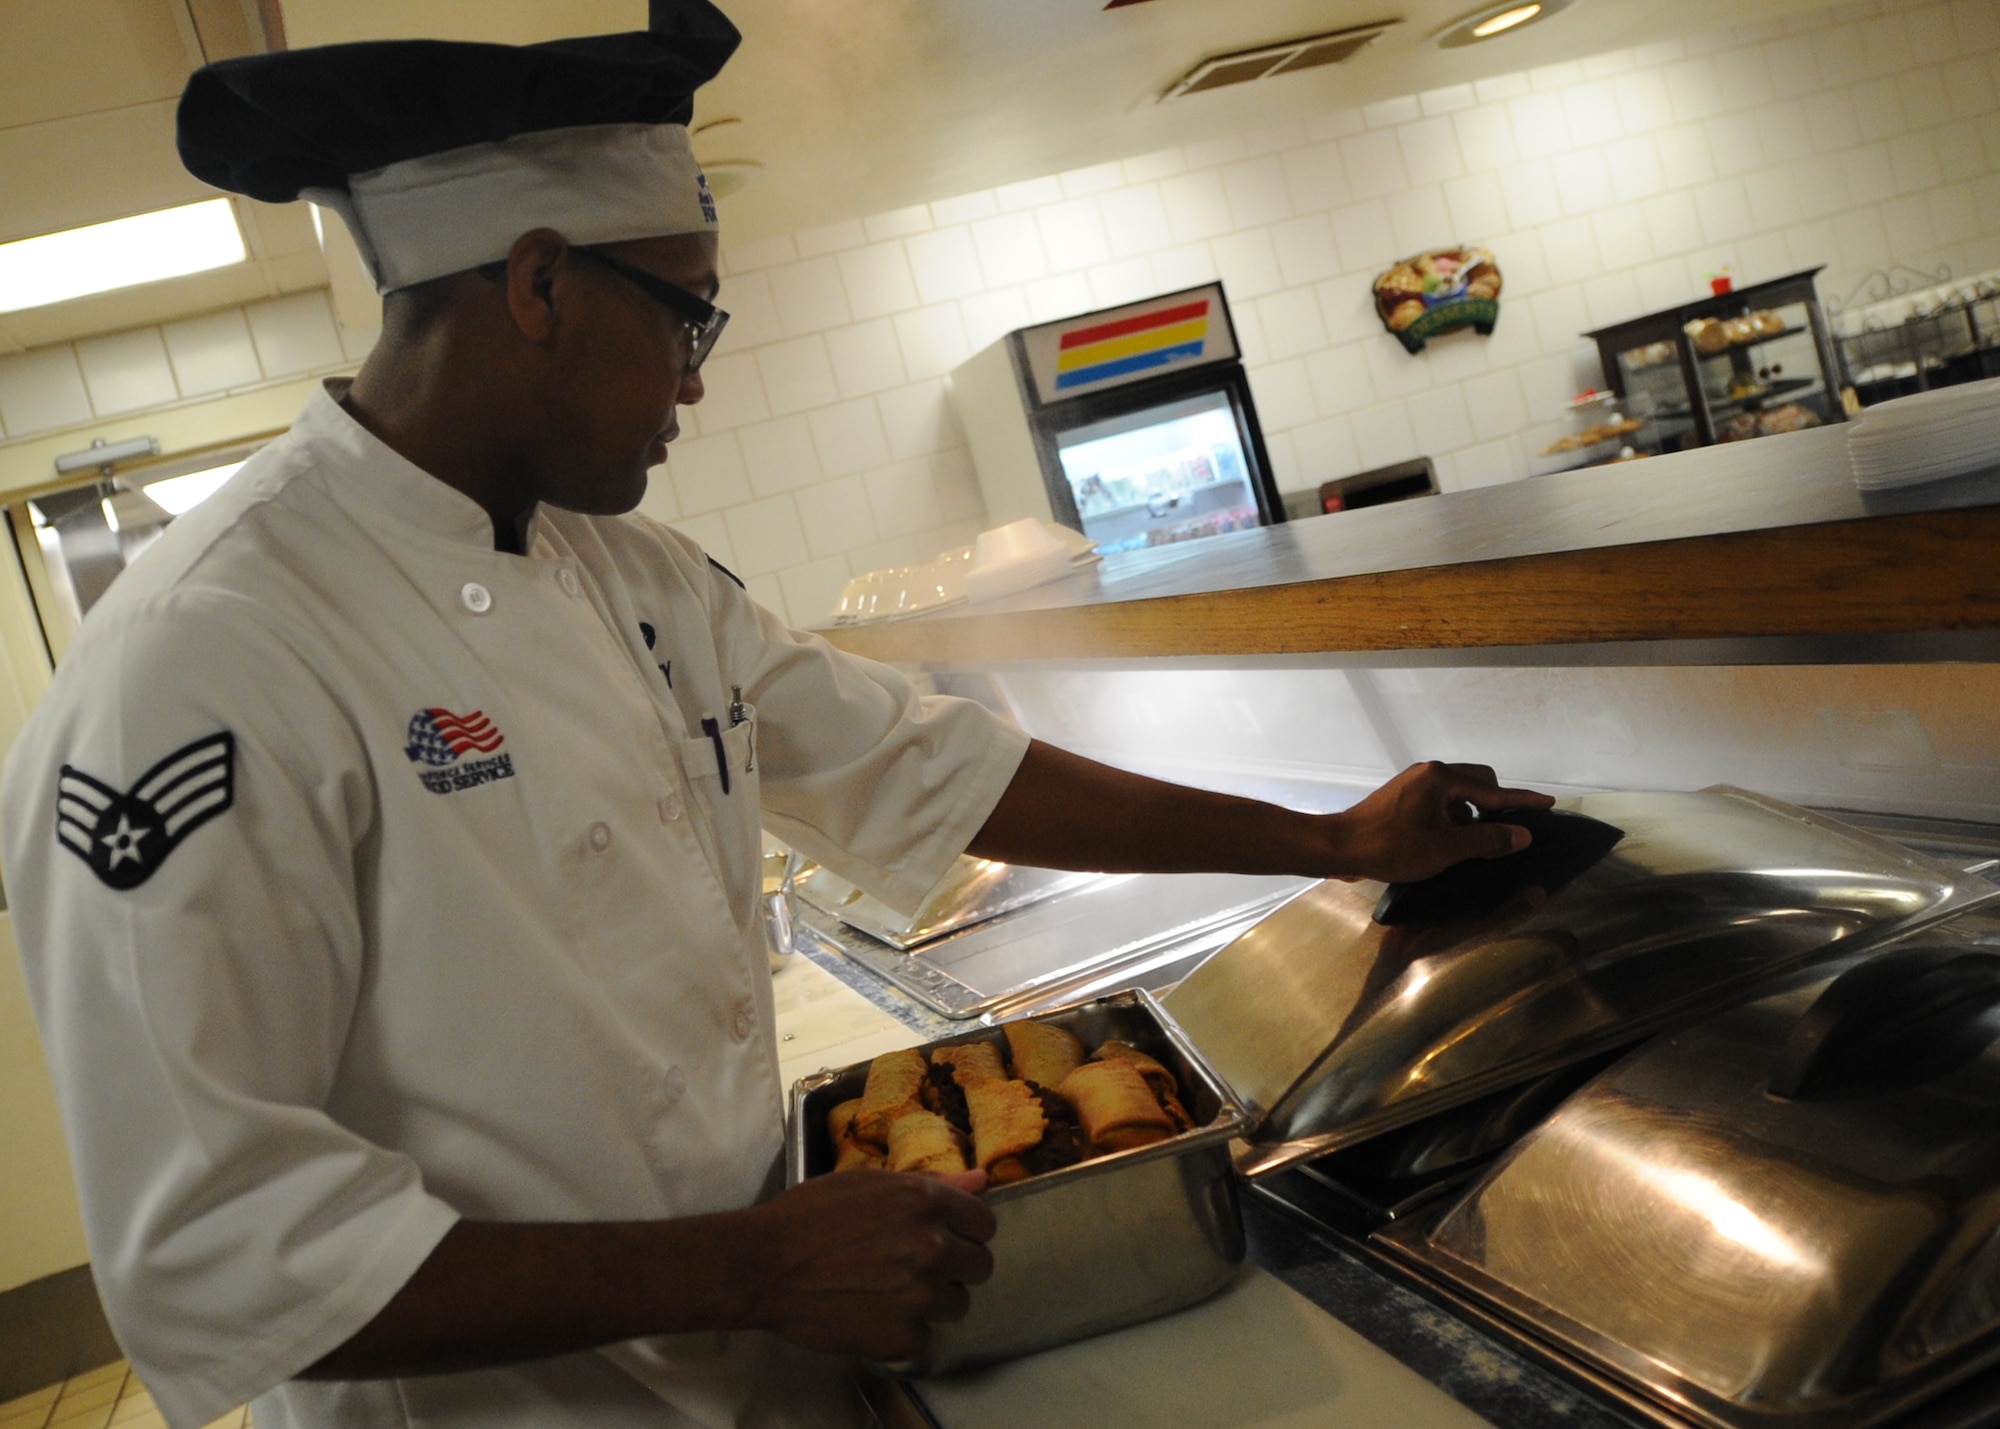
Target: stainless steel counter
{"x":1754,"y":552}
{"x":1799,"y":479}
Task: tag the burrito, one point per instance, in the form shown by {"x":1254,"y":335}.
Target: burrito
{"x":1006,"y":1120}
{"x":971,"y":1061}
{"x":1041,"y":1053}
{"x":895,"y":1086}
{"x":943,"y":1095}
{"x":924,"y":1141}
{"x":1020,"y":1131}
{"x":1062,"y":1142}
{"x":1117,"y":1108}
{"x":849,"y":1154}
{"x":1165,"y":1088}
{"x":951,"y":1070}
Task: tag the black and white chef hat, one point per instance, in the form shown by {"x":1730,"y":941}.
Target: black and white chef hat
{"x":439,"y":154}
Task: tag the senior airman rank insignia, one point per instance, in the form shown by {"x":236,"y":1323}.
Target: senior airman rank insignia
{"x":126,"y":835}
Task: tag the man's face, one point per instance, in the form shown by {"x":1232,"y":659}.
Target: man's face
{"x":619,"y":372}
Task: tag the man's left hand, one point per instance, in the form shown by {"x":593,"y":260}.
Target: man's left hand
{"x":1426,"y":819}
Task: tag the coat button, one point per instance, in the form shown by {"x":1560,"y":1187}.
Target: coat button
{"x":670,"y":809}
{"x":566,"y":578}
{"x":600,"y":836}
{"x":478,"y":599}
{"x":740,"y":1026}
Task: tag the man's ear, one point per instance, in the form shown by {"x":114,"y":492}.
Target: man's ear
{"x":532,"y":264}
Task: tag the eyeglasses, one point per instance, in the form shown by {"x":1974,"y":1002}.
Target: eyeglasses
{"x":703,"y":319}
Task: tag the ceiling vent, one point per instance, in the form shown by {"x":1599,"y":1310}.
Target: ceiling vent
{"x":1285,"y":57}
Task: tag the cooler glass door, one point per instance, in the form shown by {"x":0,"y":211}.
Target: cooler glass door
{"x":1172,"y":472}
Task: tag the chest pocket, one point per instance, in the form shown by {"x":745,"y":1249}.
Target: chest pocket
{"x":722,"y":772}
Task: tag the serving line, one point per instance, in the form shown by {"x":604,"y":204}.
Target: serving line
{"x":1344,"y":1277}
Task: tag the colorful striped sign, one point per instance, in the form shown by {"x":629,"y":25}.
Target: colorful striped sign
{"x":1113,"y":349}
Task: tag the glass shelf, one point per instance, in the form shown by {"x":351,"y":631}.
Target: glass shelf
{"x":1752,"y":342}
{"x":1778,"y":388}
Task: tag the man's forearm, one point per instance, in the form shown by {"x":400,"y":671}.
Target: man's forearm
{"x":493,"y":1294}
{"x":1065,"y":811}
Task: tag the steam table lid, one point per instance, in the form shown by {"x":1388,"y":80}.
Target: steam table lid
{"x":1779,"y":1214}
{"x":1334,"y":1027}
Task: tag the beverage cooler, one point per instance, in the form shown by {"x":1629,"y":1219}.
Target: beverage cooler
{"x":1133,"y":425}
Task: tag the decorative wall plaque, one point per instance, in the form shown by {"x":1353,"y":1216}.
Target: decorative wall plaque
{"x":1437,"y":291}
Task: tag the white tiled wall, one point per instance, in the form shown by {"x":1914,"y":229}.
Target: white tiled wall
{"x":1853,"y":137}
{"x":42,"y":389}
{"x":826,"y":446}
{"x":71,"y":383}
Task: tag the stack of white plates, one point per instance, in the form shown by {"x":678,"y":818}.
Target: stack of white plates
{"x":1928,"y":437}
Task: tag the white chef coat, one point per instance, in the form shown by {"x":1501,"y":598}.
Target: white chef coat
{"x":367,"y":877}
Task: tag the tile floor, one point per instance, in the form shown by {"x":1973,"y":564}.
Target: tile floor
{"x":98,"y":1399}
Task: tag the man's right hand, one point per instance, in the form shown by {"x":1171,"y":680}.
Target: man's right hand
{"x":860,"y":1263}
{"x":863,"y":1262}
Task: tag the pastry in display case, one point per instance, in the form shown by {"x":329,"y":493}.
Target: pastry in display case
{"x":1602,"y":433}
{"x":1751,"y":363}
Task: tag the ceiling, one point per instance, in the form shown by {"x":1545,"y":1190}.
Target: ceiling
{"x":859,"y":106}
{"x":87,"y":93}
{"x":852,"y":106}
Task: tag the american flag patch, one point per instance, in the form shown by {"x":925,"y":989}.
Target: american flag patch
{"x":438,"y":741}
{"x":437,"y":736}
{"x":125,"y":835}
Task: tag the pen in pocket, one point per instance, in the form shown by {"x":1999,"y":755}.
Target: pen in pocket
{"x":738,"y":714}
{"x":713,"y":729}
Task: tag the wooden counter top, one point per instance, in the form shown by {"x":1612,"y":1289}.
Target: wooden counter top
{"x":1761,"y":552}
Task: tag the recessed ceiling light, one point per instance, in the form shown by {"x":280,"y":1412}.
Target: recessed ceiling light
{"x":77,"y":262}
{"x":1491,"y":21}
{"x":1506,"y":20}
{"x":729,"y":176}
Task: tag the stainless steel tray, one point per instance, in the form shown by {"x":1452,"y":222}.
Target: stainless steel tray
{"x":1100,"y":934}
{"x":1786,"y":1215}
{"x":974,"y":890}
{"x":1094,"y":1247}
{"x":1332,"y":1028}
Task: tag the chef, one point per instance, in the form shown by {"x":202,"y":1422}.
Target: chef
{"x":384,"y":856}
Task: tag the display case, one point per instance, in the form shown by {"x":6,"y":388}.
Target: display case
{"x":1922,"y":341}
{"x":1750,"y":363}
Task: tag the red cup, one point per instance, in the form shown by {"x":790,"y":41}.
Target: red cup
{"x":1719,"y":286}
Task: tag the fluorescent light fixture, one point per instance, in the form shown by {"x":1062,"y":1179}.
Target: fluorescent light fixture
{"x":126,"y":251}
{"x":1505,"y":20}
{"x":1493,"y":20}
{"x":180,"y":494}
